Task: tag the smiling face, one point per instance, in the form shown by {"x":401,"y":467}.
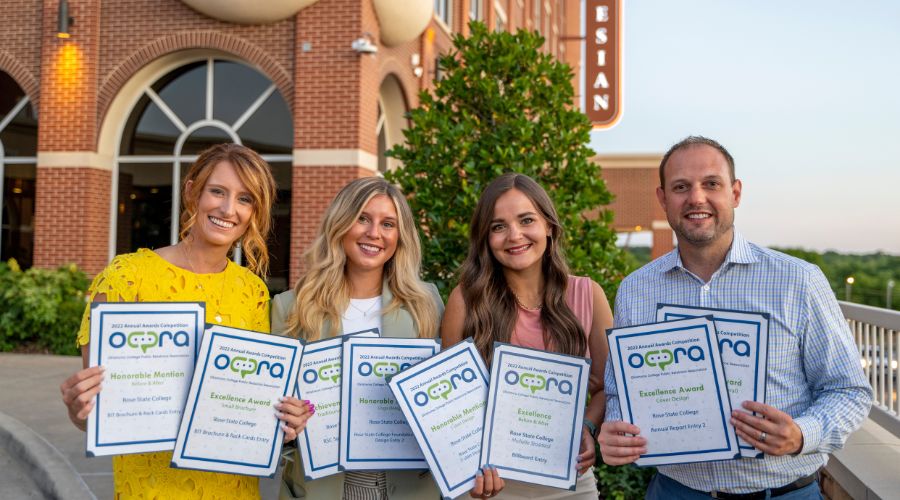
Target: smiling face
{"x":518,"y":232}
{"x":699,"y":196}
{"x":224,"y":207}
{"x":372,"y":239}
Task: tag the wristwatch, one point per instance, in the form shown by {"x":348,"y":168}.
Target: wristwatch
{"x":591,"y":428}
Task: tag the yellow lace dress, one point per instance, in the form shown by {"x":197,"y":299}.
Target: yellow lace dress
{"x":237,"y":297}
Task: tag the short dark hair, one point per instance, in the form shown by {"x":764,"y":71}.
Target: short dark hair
{"x":695,"y":140}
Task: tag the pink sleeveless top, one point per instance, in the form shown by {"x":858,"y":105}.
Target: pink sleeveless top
{"x":528,"y":331}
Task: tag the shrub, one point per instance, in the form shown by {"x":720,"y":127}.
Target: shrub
{"x":503,"y":106}
{"x":41,"y":308}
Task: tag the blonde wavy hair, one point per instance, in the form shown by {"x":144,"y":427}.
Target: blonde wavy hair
{"x":323,"y":292}
{"x":256,"y":175}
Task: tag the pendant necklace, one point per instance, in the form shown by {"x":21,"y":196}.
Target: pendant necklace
{"x":187,"y":256}
{"x":367,"y":311}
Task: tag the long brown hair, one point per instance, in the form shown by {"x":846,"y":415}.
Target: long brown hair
{"x":490,"y":304}
{"x":256,"y":175}
{"x":323,"y":292}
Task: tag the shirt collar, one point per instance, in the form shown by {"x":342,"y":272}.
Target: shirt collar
{"x":740,"y":253}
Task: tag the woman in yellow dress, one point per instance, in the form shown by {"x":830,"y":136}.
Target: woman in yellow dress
{"x":227,"y":195}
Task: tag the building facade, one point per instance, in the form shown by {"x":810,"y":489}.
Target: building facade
{"x":105,"y":104}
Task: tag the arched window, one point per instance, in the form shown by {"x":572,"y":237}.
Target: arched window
{"x":189,"y":109}
{"x":391,"y":121}
{"x":18,"y":171}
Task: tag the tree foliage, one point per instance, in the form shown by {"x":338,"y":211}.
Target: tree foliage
{"x":40,"y":309}
{"x":503,"y":105}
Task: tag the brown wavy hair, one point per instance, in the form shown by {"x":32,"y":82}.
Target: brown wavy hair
{"x":490,"y":304}
{"x":256,"y":175}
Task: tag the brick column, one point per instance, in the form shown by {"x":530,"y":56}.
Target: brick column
{"x":335,"y":111}
{"x":73,"y":183}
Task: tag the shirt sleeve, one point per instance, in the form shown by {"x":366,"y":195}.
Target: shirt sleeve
{"x":261,"y":307}
{"x":119,"y":282}
{"x":620,"y":318}
{"x":841,"y":394}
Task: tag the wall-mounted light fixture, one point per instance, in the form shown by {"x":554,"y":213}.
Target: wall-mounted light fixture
{"x":63,"y":21}
{"x":364,"y":44}
{"x":416,"y":61}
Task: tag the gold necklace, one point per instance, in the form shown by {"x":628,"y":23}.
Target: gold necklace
{"x":527,"y":308}
{"x":187,"y":256}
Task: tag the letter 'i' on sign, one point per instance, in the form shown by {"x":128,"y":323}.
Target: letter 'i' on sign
{"x":602,"y":70}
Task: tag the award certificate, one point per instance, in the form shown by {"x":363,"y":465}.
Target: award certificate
{"x":149,"y":351}
{"x":443,"y":398}
{"x":229,"y":423}
{"x":535,"y":411}
{"x":744,"y":346}
{"x":374,"y":432}
{"x":319,"y":382}
{"x":671,"y":384}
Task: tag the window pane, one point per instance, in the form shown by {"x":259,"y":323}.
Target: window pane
{"x":270,"y":129}
{"x":184,"y":91}
{"x":149,"y":131}
{"x":10,"y":94}
{"x":203,"y":138}
{"x":280,"y":242}
{"x":20,"y":135}
{"x":18,"y":214}
{"x":144,"y":211}
{"x":235,"y":88}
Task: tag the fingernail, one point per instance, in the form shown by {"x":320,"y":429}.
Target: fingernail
{"x":306,"y":401}
{"x":282,"y":399}
{"x":284,"y":427}
{"x":279,"y":414}
{"x":312,"y":411}
{"x":478,"y":472}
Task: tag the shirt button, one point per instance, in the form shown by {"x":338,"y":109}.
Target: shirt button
{"x":705,"y":288}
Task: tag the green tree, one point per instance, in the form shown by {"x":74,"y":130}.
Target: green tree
{"x":503,"y":105}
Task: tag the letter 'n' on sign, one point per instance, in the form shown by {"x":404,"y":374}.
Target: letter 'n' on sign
{"x":602,"y":62}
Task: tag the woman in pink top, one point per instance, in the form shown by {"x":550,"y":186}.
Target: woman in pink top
{"x":515,"y":287}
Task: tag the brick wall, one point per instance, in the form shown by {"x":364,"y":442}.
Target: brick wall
{"x":318,"y":186}
{"x":20,"y":47}
{"x":72,"y":218}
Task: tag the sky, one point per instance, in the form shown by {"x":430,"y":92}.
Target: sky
{"x":804,"y":94}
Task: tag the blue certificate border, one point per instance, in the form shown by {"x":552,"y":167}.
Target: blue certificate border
{"x":338,"y":344}
{"x":418,"y":369}
{"x":307,"y":350}
{"x":495,"y":381}
{"x":715,"y":378}
{"x":353,"y":346}
{"x":287,"y":380}
{"x":668,"y":316}
{"x":198,"y":326}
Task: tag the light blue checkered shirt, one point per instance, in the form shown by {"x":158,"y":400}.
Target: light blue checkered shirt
{"x":814,"y":371}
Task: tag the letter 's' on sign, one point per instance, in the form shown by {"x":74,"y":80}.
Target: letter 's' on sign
{"x":603,"y":62}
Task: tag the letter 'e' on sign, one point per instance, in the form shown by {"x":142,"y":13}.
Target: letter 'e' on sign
{"x":603,"y":44}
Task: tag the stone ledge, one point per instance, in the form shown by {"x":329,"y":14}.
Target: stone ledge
{"x":866,"y":468}
{"x":53,"y":474}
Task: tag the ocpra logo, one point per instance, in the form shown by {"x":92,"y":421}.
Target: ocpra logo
{"x":386,"y":369}
{"x":740,"y":348}
{"x":148,"y":339}
{"x":325,"y":372}
{"x":664,"y":357}
{"x":535,"y":382}
{"x":442,"y":388}
{"x":246,"y":366}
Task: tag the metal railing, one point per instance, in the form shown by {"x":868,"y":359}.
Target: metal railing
{"x":877,"y":335}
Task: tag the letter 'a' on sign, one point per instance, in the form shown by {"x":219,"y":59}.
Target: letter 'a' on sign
{"x":601,"y":86}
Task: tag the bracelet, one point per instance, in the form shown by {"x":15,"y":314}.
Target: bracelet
{"x":591,"y":428}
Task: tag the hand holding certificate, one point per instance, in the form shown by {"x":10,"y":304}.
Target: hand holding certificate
{"x":149,"y":351}
{"x":229,"y":423}
{"x":319,"y":381}
{"x":744,"y":346}
{"x":443,"y":398}
{"x":671,"y":385}
{"x":374,"y":432}
{"x":534,"y":416}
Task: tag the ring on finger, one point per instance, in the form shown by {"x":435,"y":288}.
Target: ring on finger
{"x":762,"y":437}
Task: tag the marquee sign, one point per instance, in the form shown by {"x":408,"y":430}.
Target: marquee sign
{"x":603,"y":47}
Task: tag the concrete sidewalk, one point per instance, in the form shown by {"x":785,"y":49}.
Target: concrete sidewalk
{"x":29,"y":393}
